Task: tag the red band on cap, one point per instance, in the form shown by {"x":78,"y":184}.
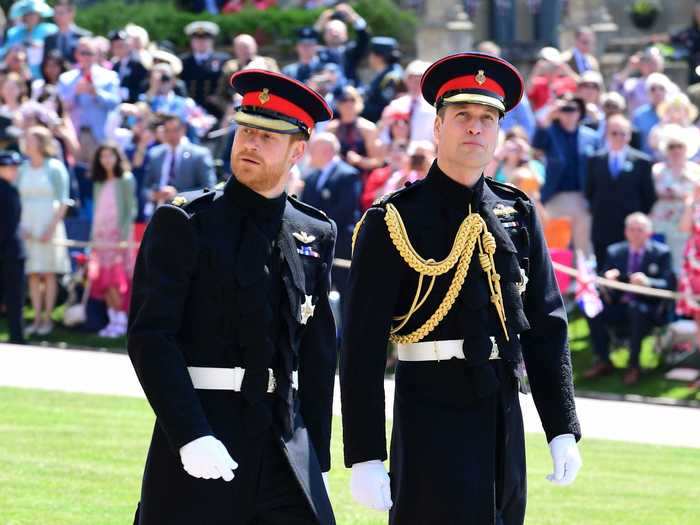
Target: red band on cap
{"x":469,"y":82}
{"x":278,"y":104}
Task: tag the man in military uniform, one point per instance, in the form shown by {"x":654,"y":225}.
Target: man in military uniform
{"x":457,"y":274}
{"x":384,"y":58}
{"x":307,"y":52}
{"x":231,"y":333}
{"x":202,"y":67}
{"x":12,"y":254}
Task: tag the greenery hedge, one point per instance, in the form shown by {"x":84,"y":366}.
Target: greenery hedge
{"x":274,"y":29}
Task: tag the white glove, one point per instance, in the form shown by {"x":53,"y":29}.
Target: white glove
{"x":207,"y":458}
{"x":369,"y":485}
{"x":324,"y":475}
{"x":566,"y":458}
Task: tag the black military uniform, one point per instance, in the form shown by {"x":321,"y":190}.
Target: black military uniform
{"x":457,"y":451}
{"x":227,"y":278}
{"x":385,"y":85}
{"x":201,"y":77}
{"x":12,"y":255}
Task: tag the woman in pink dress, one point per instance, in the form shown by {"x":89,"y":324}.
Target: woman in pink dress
{"x":689,"y":283}
{"x":115,"y":209}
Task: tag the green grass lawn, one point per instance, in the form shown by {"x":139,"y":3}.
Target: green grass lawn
{"x":70,"y":459}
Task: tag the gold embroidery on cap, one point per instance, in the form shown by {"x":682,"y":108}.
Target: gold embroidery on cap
{"x":264,"y":96}
{"x":480,"y":77}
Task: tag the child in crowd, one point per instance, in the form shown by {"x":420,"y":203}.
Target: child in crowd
{"x":115,"y":210}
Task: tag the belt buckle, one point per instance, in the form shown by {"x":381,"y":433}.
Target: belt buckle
{"x":271,"y":381}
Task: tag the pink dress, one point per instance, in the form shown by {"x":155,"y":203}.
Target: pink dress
{"x":689,"y":283}
{"x":108,"y":266}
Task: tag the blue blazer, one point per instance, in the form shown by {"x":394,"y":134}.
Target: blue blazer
{"x":339,"y":198}
{"x":550,"y":141}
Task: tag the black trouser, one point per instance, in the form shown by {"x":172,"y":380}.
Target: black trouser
{"x":279,"y":499}
{"x":635,"y":319}
{"x":12,"y":287}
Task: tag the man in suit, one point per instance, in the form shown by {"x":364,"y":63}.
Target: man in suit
{"x":133,"y":75}
{"x":566,"y":144}
{"x":640,"y":261}
{"x":176,"y":165}
{"x":12,"y":255}
{"x":332,"y":24}
{"x":66,"y":38}
{"x":619,"y":183}
{"x":580,"y":57}
{"x":245,"y":49}
{"x":231,"y":332}
{"x":334,"y":186}
{"x":202,"y":66}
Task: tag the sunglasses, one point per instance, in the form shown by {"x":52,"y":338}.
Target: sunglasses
{"x":615,"y":133}
{"x":675,"y":145}
{"x":86,"y":53}
{"x":657,"y":88}
{"x":569,"y":109}
{"x":589,"y":85}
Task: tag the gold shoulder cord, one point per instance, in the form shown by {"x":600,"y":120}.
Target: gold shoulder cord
{"x":473,"y":230}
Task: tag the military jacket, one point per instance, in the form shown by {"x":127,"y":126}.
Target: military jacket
{"x":432,"y":211}
{"x":224,"y":280}
{"x":202,"y":80}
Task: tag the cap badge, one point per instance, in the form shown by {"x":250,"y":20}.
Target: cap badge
{"x":480,"y":77}
{"x":264,"y":96}
{"x":304,"y":237}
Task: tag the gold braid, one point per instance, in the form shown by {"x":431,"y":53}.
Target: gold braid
{"x":471,"y":232}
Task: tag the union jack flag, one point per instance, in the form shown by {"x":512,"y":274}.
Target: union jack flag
{"x":586,"y":296}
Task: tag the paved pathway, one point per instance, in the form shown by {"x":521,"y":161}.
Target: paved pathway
{"x":108,"y":373}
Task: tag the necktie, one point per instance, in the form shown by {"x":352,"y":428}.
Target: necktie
{"x":412,"y":110}
{"x":61,"y":45}
{"x":171,"y":169}
{"x":615,"y":166}
{"x":634,"y":262}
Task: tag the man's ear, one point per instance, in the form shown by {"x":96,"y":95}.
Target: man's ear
{"x":437,"y":127}
{"x":298,"y":150}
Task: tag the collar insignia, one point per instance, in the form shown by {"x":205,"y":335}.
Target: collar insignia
{"x":179,"y":201}
{"x":304,"y":237}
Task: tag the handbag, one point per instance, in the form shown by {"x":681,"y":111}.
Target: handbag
{"x":76,"y":314}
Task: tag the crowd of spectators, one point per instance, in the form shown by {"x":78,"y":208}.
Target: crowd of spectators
{"x":112,"y":126}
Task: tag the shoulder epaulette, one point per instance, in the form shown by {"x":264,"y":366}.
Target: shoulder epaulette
{"x":308,"y":209}
{"x":381,"y":201}
{"x":504,"y":186}
{"x":194,"y":201}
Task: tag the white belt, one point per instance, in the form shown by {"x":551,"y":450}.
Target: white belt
{"x":439,"y":350}
{"x":209,"y":378}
